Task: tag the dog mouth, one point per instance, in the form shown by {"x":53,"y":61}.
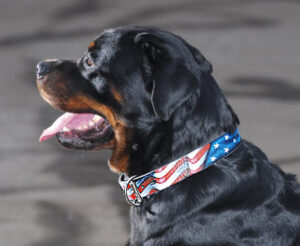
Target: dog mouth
{"x":81,"y":131}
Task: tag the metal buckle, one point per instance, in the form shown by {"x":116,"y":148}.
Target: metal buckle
{"x":124,"y":182}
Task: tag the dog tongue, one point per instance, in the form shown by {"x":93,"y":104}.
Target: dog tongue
{"x":69,"y":120}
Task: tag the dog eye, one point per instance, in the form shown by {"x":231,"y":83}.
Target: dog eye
{"x":89,"y":62}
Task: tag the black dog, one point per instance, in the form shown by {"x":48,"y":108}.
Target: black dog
{"x":158,"y":101}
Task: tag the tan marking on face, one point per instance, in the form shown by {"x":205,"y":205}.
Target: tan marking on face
{"x":119,"y":160}
{"x":116,"y":94}
{"x":45,"y":94}
{"x":47,"y":98}
{"x":109,"y":145}
{"x":91,"y":45}
{"x":52,"y":91}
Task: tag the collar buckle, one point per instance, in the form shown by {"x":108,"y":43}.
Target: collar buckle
{"x":124,"y":182}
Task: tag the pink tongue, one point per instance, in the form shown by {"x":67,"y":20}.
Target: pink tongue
{"x":69,"y":120}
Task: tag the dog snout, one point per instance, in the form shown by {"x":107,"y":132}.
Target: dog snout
{"x":44,"y":67}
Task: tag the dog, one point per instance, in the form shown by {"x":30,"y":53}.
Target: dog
{"x":150,"y":97}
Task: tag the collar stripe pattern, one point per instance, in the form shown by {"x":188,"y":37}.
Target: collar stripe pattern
{"x":178,"y":170}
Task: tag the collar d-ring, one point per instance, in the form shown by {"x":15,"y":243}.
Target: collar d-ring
{"x":125,"y":182}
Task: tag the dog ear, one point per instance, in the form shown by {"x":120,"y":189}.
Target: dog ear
{"x":173,"y":73}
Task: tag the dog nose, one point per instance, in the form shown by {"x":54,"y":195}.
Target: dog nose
{"x":42,"y":69}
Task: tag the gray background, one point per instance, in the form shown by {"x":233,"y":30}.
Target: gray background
{"x":53,"y":197}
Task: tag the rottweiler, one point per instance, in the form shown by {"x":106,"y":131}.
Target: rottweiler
{"x":150,"y":97}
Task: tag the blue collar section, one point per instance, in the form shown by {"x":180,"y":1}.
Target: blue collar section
{"x":222,"y":147}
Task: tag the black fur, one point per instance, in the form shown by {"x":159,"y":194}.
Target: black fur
{"x":174,"y":105}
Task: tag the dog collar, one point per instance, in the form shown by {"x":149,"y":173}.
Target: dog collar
{"x":138,"y":187}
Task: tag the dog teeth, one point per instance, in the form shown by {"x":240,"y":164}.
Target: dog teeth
{"x":91,"y":123}
{"x":66,"y":129}
{"x":96,"y":118}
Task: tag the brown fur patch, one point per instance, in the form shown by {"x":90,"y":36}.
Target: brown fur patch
{"x":116,"y":94}
{"x":53,"y":92}
{"x":119,"y":160}
{"x":109,"y":145}
{"x":91,"y":45}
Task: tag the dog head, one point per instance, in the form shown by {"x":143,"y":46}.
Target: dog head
{"x":128,"y":82}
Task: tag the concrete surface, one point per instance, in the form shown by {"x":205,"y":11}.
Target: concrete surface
{"x":52,"y":197}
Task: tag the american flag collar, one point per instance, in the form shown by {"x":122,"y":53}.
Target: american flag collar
{"x":136,"y":188}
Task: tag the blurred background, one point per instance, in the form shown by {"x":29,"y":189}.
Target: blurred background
{"x":53,"y":197}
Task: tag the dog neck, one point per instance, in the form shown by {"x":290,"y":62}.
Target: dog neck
{"x":198,"y":121}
